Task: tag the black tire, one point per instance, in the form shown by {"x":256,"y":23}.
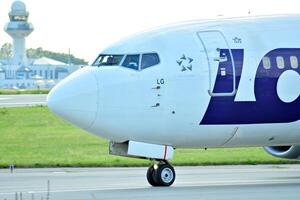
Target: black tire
{"x":165,"y":175}
{"x":151,"y":176}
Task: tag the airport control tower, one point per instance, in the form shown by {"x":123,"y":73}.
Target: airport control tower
{"x":19,"y":28}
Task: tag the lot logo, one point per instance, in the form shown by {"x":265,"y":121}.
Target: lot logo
{"x":268,"y":107}
{"x":185,"y":63}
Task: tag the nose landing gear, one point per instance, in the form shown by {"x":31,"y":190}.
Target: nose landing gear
{"x":161,"y":174}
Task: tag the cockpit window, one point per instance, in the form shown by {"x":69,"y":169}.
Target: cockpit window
{"x":132,"y":61}
{"x":108,"y":60}
{"x":149,"y":59}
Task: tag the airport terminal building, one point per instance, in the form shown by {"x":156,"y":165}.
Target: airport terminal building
{"x":39,"y":73}
{"x":21,"y":72}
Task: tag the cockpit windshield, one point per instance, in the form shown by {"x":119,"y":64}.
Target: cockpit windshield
{"x":108,"y":60}
{"x":138,"y":62}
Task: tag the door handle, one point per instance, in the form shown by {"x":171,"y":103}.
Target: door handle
{"x":221,"y":59}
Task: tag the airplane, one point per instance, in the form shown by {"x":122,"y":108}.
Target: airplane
{"x":201,"y":84}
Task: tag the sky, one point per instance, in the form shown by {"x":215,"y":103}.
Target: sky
{"x":88,"y":26}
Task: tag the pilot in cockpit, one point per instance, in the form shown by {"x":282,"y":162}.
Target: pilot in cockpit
{"x":110,"y":60}
{"x":132,"y":61}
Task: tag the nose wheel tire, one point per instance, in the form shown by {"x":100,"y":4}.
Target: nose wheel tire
{"x":151,"y":176}
{"x":161,"y":175}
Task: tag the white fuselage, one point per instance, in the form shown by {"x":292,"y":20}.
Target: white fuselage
{"x":172,"y":104}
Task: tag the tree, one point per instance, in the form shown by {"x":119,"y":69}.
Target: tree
{"x":62,"y":57}
{"x":6,"y":51}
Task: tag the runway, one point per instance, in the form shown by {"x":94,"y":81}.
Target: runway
{"x":22,"y":100}
{"x":261,"y":182}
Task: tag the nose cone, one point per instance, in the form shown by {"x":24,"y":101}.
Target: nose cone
{"x":75,"y":98}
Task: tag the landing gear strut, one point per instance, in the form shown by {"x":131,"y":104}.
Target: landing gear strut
{"x":161,"y":174}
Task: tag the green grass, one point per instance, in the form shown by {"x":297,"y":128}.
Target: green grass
{"x":31,"y":91}
{"x":34,"y":137}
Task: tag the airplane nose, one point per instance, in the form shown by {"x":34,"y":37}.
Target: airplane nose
{"x":75,"y":98}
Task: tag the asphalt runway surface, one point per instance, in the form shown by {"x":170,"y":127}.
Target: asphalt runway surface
{"x":261,"y":182}
{"x":22,"y":100}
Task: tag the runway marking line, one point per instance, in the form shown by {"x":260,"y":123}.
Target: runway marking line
{"x":220,"y":184}
{"x":24,"y":103}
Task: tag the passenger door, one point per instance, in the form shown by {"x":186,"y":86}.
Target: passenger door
{"x":220,"y":63}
